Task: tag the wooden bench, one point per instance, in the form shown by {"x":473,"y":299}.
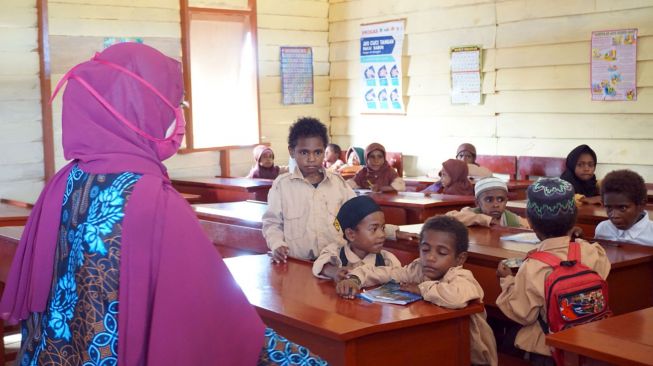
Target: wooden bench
{"x":499,"y":164}
{"x":539,"y":166}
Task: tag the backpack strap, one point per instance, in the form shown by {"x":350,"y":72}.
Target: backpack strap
{"x":380,"y":261}
{"x":573,"y":253}
{"x":343,"y":256}
{"x":546,"y":258}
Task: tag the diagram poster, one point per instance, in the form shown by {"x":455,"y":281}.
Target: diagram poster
{"x":614,"y":65}
{"x":381,"y":86}
{"x":297,"y":75}
{"x":466,"y":75}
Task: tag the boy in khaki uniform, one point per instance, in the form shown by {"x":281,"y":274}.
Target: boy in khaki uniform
{"x":551,"y":212}
{"x":438,"y":276}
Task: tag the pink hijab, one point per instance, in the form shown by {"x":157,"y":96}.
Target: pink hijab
{"x":259,"y":171}
{"x":172,"y":280}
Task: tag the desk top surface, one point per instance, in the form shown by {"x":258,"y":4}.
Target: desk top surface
{"x":624,"y":338}
{"x":225,"y":183}
{"x":233,"y":212}
{"x":11,"y":212}
{"x":418,"y":200}
{"x":290,"y":293}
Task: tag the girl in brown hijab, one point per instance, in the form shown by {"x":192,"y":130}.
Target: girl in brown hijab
{"x":454,"y":178}
{"x":377,"y":175}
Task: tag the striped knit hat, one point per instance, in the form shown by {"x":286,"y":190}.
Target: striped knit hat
{"x":549,"y":198}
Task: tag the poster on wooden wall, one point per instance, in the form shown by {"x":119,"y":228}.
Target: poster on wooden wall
{"x":296,"y":75}
{"x":466,"y":75}
{"x":614,"y":65}
{"x":380,"y":49}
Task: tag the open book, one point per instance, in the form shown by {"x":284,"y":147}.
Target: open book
{"x":528,"y":237}
{"x":390,"y":293}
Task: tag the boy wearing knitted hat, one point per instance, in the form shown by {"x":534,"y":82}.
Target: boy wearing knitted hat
{"x":551,"y":213}
{"x":363,"y":226}
{"x":491,"y":198}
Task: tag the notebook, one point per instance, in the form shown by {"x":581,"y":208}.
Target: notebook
{"x":389,"y":293}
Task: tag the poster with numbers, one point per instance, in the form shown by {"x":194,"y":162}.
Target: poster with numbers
{"x":296,"y":75}
{"x":380,"y":72}
{"x":614,"y":65}
{"x":466,"y":75}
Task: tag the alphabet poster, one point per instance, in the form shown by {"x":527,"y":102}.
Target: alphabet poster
{"x":296,"y":75}
{"x":381,"y":86}
{"x":614,"y":65}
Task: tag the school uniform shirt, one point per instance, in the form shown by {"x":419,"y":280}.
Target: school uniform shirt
{"x":522,"y":296}
{"x":640,"y":233}
{"x":301,"y":216}
{"x":471,"y":216}
{"x":397,"y":184}
{"x":454,"y":291}
{"x":331,"y":254}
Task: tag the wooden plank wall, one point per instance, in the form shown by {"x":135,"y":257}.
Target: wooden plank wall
{"x":21,"y":142}
{"x":535,"y":87}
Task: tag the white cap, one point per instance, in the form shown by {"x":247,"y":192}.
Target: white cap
{"x":487,"y":184}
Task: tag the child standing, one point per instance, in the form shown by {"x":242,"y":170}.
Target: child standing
{"x":377,"y":174}
{"x":332,"y":158}
{"x":439,"y":277}
{"x":551,"y":212}
{"x":624,"y":198}
{"x":264,"y":164}
{"x":303,"y":204}
{"x":453,"y":180}
{"x":363,"y":225}
{"x":355,"y":157}
{"x":580,"y":167}
{"x":491,"y":198}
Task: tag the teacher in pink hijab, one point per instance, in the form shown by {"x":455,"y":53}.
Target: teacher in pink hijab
{"x":113,"y":266}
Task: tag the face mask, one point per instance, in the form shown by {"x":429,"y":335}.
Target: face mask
{"x":165,"y":147}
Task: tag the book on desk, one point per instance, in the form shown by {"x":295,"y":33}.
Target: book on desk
{"x":389,"y":293}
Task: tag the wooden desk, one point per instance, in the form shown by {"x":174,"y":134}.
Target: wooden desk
{"x":244,"y":213}
{"x":351,"y":332}
{"x":12,"y":214}
{"x":224,"y":189}
{"x":630,"y":280}
{"x":414,"y":208}
{"x":516,"y":188}
{"x":191,"y":198}
{"x":418,"y":184}
{"x":621,"y":340}
{"x":649,"y":195}
{"x":9,"y":238}
{"x":589,"y":216}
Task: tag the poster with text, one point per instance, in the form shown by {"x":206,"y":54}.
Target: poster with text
{"x":380,"y":49}
{"x":297,"y":75}
{"x":466,"y":75}
{"x":614,"y":65}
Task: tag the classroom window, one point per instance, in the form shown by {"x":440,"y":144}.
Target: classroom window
{"x":222,"y":82}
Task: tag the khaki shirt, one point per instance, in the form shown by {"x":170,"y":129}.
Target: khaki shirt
{"x":522,"y":296}
{"x":454,"y":291}
{"x":331,"y":254}
{"x":470,"y":218}
{"x":301,"y":216}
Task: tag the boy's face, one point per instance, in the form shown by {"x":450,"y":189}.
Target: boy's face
{"x":437,"y":253}
{"x":585,"y":167}
{"x":309,"y":154}
{"x":493,"y":202}
{"x":465,"y":156}
{"x":375,"y":160}
{"x":330,"y":155}
{"x":369,"y":235}
{"x":621,"y":210}
{"x":266,"y":160}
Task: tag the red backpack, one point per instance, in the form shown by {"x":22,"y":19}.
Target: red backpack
{"x":574,"y":293}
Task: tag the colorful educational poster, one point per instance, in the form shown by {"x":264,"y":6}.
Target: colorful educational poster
{"x":614,"y":65}
{"x":466,"y":75}
{"x":297,"y":75}
{"x":110,"y":41}
{"x":381,"y":86}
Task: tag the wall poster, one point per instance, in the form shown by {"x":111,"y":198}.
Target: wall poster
{"x":466,"y":75}
{"x":296,"y":75}
{"x":614,"y":65}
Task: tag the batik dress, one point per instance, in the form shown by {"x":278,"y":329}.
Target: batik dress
{"x":80,"y":323}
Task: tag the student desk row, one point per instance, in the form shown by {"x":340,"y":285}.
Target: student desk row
{"x":516,"y":188}
{"x":351,"y":332}
{"x":589,"y":216}
{"x":14,"y":213}
{"x":221,"y":189}
{"x":620,"y":340}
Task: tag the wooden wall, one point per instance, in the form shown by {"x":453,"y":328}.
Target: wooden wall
{"x":535,"y":87}
{"x":21,"y":143}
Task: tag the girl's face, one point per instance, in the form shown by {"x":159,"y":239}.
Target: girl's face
{"x":585,"y":167}
{"x":465,"y":156}
{"x":353,"y":159}
{"x":445,"y":178}
{"x":375,"y":160}
{"x":330,"y":155}
{"x":266,"y":160}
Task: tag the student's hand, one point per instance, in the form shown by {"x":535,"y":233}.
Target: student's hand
{"x":375,"y":188}
{"x":402,"y":235}
{"x":341,"y":274}
{"x":495,"y":221}
{"x":280,"y":255}
{"x":411,"y":287}
{"x":428,"y":194}
{"x":349,"y":287}
{"x":503,"y":270}
{"x":576,"y":232}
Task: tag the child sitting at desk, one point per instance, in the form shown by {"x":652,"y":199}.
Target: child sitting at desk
{"x":453,"y":180}
{"x":332,"y":158}
{"x":264,"y":164}
{"x":551,"y":212}
{"x":439,"y":277}
{"x":467,"y":153}
{"x":580,"y":166}
{"x":377,"y":174}
{"x":355,"y":157}
{"x":624,"y":197}
{"x":363,"y":225}
{"x":303,"y":204}
{"x":491,"y":198}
